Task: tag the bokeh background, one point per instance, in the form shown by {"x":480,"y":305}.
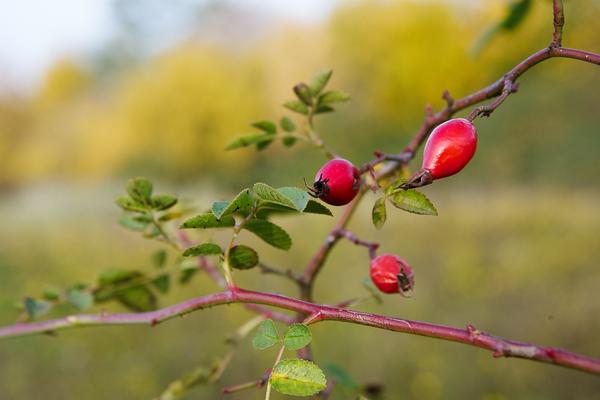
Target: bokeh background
{"x":94,"y":92}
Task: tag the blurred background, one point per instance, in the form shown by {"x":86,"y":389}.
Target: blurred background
{"x":94,"y":92}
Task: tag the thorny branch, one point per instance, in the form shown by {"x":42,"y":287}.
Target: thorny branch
{"x":317,"y":313}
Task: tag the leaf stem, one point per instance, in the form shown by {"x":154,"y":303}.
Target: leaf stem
{"x":279,"y":355}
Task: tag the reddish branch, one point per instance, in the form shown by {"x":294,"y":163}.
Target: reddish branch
{"x":317,"y":313}
{"x":559,"y":22}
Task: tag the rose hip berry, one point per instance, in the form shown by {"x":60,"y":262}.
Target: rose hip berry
{"x":449,"y":148}
{"x":336,"y":183}
{"x":392,"y":274}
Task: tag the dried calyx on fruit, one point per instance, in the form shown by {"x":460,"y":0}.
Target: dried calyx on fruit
{"x":449,"y":148}
{"x":392,"y":274}
{"x":336,"y":183}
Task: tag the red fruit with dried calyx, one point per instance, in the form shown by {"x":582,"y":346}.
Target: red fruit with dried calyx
{"x":449,"y":148}
{"x":392,"y":274}
{"x":337,"y":182}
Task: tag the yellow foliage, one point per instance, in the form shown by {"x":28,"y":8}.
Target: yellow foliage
{"x":64,"y":81}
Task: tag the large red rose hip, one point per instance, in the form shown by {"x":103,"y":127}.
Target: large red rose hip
{"x":449,"y":148}
{"x":392,"y":274}
{"x":337,"y":182}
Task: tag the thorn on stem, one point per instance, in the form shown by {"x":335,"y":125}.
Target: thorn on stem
{"x":448,"y":98}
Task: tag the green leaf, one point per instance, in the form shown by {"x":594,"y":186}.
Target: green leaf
{"x":120,"y":285}
{"x":242,"y":201}
{"x":413,"y":202}
{"x":287,"y":124}
{"x":296,"y":377}
{"x":204,"y":249}
{"x":266,"y":126}
{"x":36,"y":308}
{"x":266,"y":335}
{"x":51,"y":294}
{"x":296,"y":106}
{"x":297,"y":336}
{"x":140,"y":190}
{"x":81,"y":299}
{"x":219,"y":207}
{"x":187,"y":274}
{"x":159,"y":258}
{"x":340,"y":376}
{"x":162,"y":283}
{"x":319,"y":81}
{"x":270,"y":233}
{"x":298,"y":196}
{"x":242,"y":257}
{"x":304,"y":93}
{"x":113,"y":275}
{"x":208,"y":220}
{"x":334,"y":96}
{"x":289,"y":141}
{"x":379,"y":214}
{"x":263,"y":145}
{"x":324,"y":109}
{"x":314,"y":207}
{"x":134,"y":222}
{"x":128,"y":204}
{"x":516,"y":13}
{"x":517,"y":10}
{"x":248,"y":140}
{"x":138,"y":298}
{"x":163,"y":202}
{"x":269,"y":194}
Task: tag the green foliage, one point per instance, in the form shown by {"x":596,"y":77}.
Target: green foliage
{"x":51,"y":294}
{"x":159,"y":258}
{"x":82,"y":299}
{"x":204,"y":249}
{"x":340,"y":376}
{"x":162,"y":202}
{"x":304,"y":94}
{"x":130,"y":288}
{"x":266,"y":335}
{"x":296,"y":106}
{"x":298,"y":196}
{"x":268,"y":195}
{"x":517,"y":10}
{"x":334,"y":96}
{"x":162,"y":283}
{"x":413,"y":201}
{"x":129,"y":204}
{"x":287,"y":124}
{"x":242,"y":202}
{"x":379,"y":213}
{"x":208,"y":220}
{"x":270,"y":233}
{"x":319,"y":81}
{"x":266,"y":126}
{"x":36,"y":308}
{"x":297,"y":377}
{"x":314,"y":207}
{"x":297,"y":336}
{"x":242,"y":257}
{"x":140,"y":190}
{"x":248,"y":140}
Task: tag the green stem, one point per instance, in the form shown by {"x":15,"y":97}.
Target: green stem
{"x":279,"y":355}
